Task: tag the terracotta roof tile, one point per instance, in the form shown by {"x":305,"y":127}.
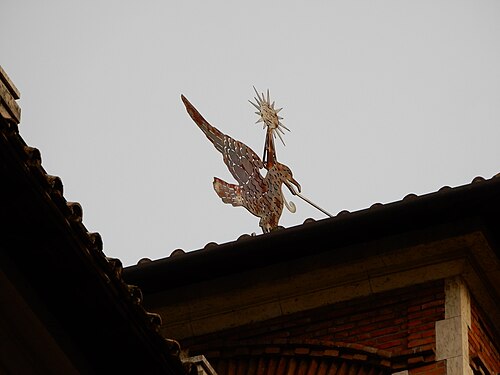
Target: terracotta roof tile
{"x":309,"y":220}
{"x":410,"y":196}
{"x":177,"y":252}
{"x":478,"y":179}
{"x":211,"y":245}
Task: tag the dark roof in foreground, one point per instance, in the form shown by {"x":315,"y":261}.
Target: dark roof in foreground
{"x":60,"y":269}
{"x":475,"y":205}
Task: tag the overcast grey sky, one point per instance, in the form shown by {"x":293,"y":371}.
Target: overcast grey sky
{"x":383,"y":99}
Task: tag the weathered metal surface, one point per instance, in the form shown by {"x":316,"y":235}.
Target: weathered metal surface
{"x":261,"y":196}
{"x":269,"y":116}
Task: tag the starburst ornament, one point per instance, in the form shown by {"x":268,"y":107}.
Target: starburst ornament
{"x":269,"y":116}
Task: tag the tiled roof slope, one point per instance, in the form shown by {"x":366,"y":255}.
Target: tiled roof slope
{"x":63,"y":265}
{"x":476,"y":205}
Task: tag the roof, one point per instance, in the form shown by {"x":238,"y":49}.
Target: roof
{"x":60,"y":269}
{"x":475,"y":205}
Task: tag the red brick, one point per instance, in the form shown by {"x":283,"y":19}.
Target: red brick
{"x":347,"y":356}
{"x":428,"y":333}
{"x":414,"y":308}
{"x":312,"y":368}
{"x":367,"y":328}
{"x":360,"y":357}
{"x":390,"y":344}
{"x":399,"y":335}
{"x":429,"y":357}
{"x":385,"y":363}
{"x":432,"y":304}
{"x":340,"y":328}
{"x":421,"y":326}
{"x":431,"y":369}
{"x":380,"y":321}
{"x":342,"y":334}
{"x":368,"y":343}
{"x":480,"y":342}
{"x":383,"y":317}
{"x":414,"y":336}
{"x":272,"y":350}
{"x":302,"y":351}
{"x":421,"y":342}
{"x":316,"y":353}
{"x":362,"y":316}
{"x":414,"y":360}
{"x":416,"y":315}
{"x":331,"y":352}
{"x":414,"y":323}
{"x":385,"y":331}
{"x":426,"y":326}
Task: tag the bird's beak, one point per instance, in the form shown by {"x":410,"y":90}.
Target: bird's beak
{"x":289,"y":185}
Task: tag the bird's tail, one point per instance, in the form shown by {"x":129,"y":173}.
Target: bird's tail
{"x":212,"y":133}
{"x":229,"y":193}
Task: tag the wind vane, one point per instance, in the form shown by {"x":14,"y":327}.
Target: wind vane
{"x":261,"y":196}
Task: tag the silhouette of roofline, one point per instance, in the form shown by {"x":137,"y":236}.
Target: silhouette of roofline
{"x":447,"y":212}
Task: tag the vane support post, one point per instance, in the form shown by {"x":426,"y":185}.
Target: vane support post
{"x":313,"y":204}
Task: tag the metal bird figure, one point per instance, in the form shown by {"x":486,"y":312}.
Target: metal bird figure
{"x":269,"y":116}
{"x":261,"y":196}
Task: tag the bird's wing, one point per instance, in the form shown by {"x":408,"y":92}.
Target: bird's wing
{"x":243,"y":163}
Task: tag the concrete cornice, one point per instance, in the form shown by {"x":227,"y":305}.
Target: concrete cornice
{"x":319,"y":280}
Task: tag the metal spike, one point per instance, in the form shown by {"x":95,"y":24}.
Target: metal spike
{"x":260,"y":100}
{"x":255,"y":105}
{"x":283,"y":126}
{"x":258,"y":96}
{"x":272,"y":105}
{"x":278,"y":110}
{"x":259,"y":120}
{"x":282,"y":141}
{"x":254,"y":89}
{"x":268,"y":101}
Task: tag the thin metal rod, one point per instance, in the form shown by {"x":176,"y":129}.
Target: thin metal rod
{"x":313,"y":204}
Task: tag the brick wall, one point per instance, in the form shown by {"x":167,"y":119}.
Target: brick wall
{"x":482,"y":352}
{"x":401,"y":322}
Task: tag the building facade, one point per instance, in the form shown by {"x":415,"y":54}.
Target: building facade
{"x":410,"y":287}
